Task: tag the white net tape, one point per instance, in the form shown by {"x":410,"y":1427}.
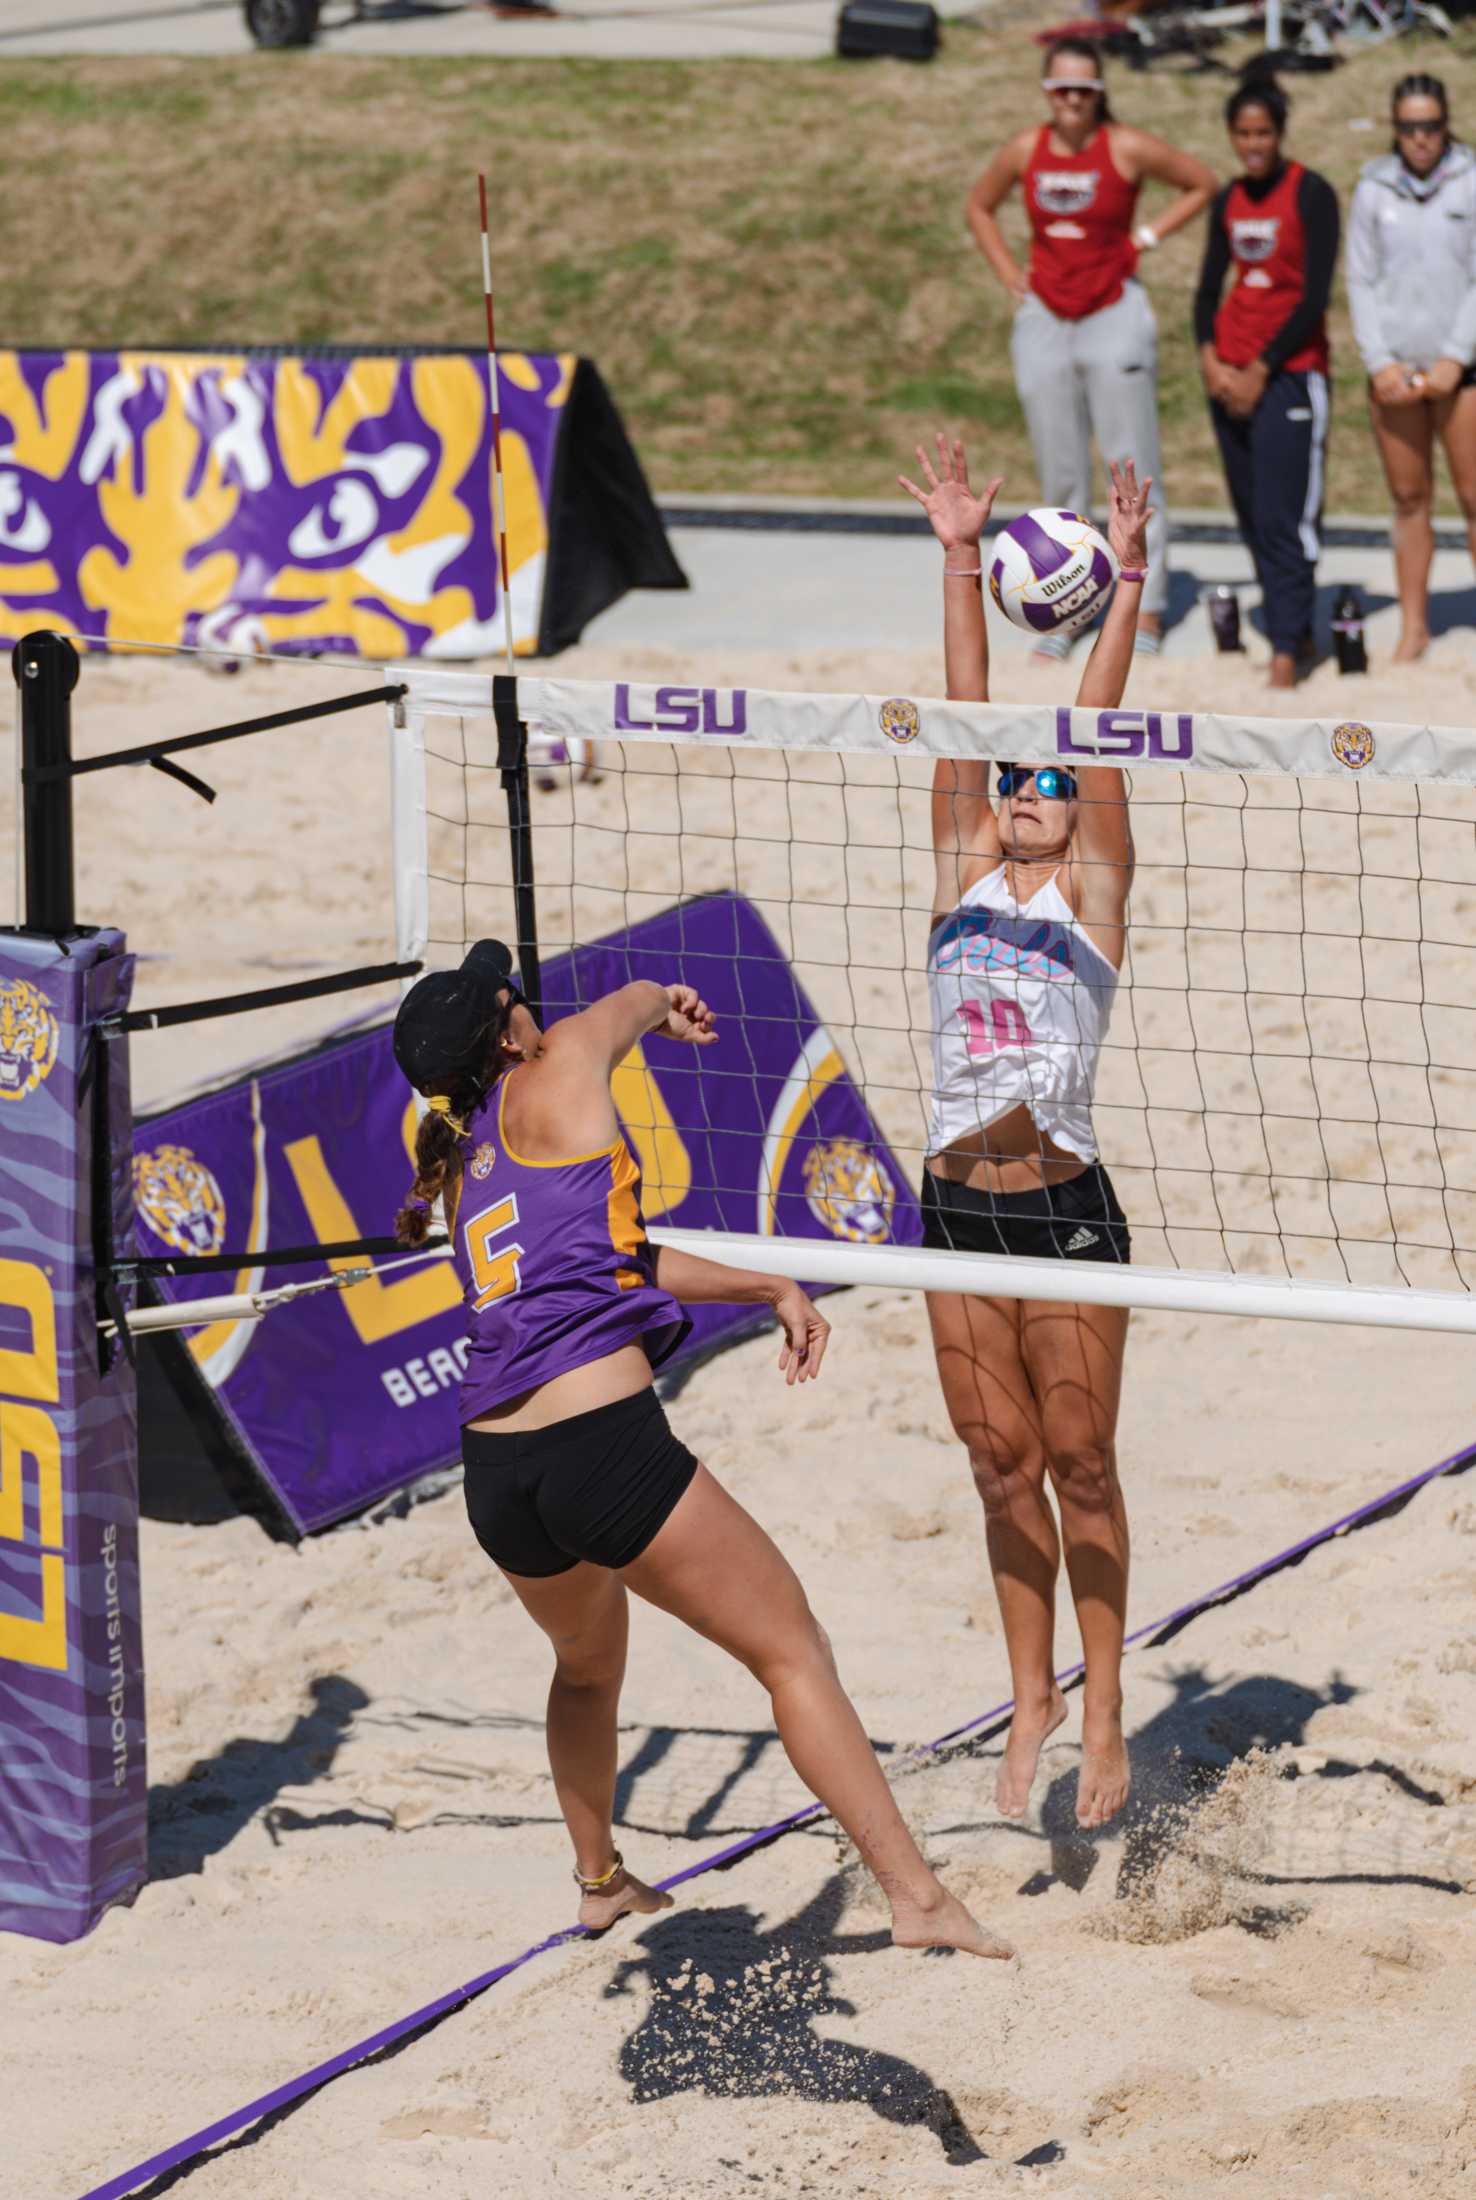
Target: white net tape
{"x":1288,"y":1085}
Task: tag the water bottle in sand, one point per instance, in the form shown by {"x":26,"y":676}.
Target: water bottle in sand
{"x":1224,"y":611}
{"x":1347,"y":626}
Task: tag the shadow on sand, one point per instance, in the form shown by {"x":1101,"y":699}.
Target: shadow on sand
{"x":734,"y":2011}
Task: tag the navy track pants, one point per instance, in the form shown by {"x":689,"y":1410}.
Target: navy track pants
{"x":1274,"y":470}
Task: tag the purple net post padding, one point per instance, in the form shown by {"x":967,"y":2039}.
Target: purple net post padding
{"x":73,"y":1802}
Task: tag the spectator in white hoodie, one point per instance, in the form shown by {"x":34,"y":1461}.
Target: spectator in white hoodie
{"x":1412,"y":288}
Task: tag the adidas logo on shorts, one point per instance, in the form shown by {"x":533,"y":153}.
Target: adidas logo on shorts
{"x":1080,"y":1240}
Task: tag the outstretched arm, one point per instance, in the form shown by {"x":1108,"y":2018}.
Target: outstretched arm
{"x":1105,"y":677}
{"x":963,"y":819}
{"x":1102,"y":854}
{"x":577,"y":1111}
{"x":608,"y":1029}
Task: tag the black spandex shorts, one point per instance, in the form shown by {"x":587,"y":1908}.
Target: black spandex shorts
{"x":1078,"y":1220}
{"x":596,"y":1486}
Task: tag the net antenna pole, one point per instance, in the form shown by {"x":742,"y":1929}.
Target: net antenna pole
{"x":46,"y":669}
{"x":512,"y":734}
{"x":494,"y":402}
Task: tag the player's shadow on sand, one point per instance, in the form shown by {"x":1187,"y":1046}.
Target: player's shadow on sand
{"x":193,"y":1819}
{"x":1180,"y":1757}
{"x":733,"y":2013}
{"x":1451,"y":608}
{"x":1183,"y":1751}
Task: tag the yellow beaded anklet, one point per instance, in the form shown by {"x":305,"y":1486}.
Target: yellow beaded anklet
{"x":597,"y":1886}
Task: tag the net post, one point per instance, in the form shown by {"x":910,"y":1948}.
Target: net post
{"x":512,"y":762}
{"x":74,"y":1804}
{"x":46,"y":668}
{"x":409,"y":831}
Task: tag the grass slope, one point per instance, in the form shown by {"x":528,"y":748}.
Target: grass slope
{"x":768,"y":260}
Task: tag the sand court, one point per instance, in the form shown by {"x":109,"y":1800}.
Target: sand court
{"x":1259,"y":1974}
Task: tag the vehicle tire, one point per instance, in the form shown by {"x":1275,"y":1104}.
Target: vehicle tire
{"x":282,"y":22}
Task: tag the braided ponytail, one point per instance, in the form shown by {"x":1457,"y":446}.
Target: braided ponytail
{"x":438,"y":1143}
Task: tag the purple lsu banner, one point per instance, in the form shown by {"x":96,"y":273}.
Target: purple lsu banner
{"x":72,"y":1797}
{"x":341,"y":1398}
{"x":323,"y":503}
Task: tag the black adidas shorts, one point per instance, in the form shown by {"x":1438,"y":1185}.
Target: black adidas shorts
{"x":1080,"y":1219}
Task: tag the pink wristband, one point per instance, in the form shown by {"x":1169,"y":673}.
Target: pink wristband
{"x":1132,"y":572}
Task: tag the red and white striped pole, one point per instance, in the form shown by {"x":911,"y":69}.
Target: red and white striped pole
{"x":499,"y":494}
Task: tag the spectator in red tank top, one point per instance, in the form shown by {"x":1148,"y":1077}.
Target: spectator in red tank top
{"x":1085,"y":344}
{"x":1263,"y":353}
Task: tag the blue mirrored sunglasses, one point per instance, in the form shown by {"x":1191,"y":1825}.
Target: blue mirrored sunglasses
{"x":1051,"y":784}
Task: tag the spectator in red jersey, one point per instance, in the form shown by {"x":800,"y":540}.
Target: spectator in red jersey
{"x":1263,"y":353}
{"x":1085,"y":343}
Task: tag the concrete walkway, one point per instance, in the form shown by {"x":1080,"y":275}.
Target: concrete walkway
{"x":691,"y":30}
{"x":850,"y":589}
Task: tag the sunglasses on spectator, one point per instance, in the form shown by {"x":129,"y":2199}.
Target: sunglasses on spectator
{"x":1433,"y":128}
{"x":1050,"y":784}
{"x":1071,"y":87}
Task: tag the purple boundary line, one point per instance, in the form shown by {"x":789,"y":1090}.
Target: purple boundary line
{"x":309,"y":2081}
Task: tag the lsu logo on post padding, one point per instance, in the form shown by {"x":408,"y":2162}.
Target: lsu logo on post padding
{"x":179,"y":1199}
{"x":899,"y":720}
{"x":1353,"y":745}
{"x":849,"y":1191}
{"x":29,"y":1038}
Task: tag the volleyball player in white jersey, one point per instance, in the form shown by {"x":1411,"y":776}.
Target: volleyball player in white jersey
{"x":1029,"y":925}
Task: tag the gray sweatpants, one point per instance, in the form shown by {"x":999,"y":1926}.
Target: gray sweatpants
{"x":1097,"y":377}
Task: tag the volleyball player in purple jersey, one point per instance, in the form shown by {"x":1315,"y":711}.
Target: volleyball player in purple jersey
{"x":575,"y":1485}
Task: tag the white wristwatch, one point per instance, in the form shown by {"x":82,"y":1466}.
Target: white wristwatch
{"x":1146,"y":238}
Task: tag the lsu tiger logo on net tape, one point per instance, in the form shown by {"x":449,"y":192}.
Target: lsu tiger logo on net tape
{"x":180,"y":1200}
{"x":1353,"y":745}
{"x":849,"y":1191}
{"x":899,"y":720}
{"x":29,"y":1038}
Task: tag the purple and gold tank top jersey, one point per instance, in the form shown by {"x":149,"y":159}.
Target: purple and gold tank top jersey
{"x":554,"y":1263}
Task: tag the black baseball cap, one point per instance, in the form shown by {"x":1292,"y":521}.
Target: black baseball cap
{"x":445,"y":1019}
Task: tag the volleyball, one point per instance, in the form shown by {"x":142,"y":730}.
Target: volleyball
{"x":1051,"y":571}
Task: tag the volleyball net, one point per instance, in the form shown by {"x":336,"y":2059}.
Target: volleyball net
{"x":1286,"y":1092}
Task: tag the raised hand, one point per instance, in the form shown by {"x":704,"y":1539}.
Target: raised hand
{"x":956,"y":512}
{"x":1127,"y":519}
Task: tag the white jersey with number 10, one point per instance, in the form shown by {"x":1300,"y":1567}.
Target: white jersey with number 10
{"x":1020,"y":1001}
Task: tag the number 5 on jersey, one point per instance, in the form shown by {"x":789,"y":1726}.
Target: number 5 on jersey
{"x":494,"y":1271}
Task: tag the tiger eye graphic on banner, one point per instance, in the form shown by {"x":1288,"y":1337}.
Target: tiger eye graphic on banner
{"x":324,"y":502}
{"x":345,"y":1398}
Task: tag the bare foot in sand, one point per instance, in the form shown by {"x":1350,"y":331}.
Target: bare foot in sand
{"x":1411,"y":647}
{"x":596,"y":1911}
{"x":1027,"y":1737}
{"x":1105,"y":1775}
{"x":945,"y":1923}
